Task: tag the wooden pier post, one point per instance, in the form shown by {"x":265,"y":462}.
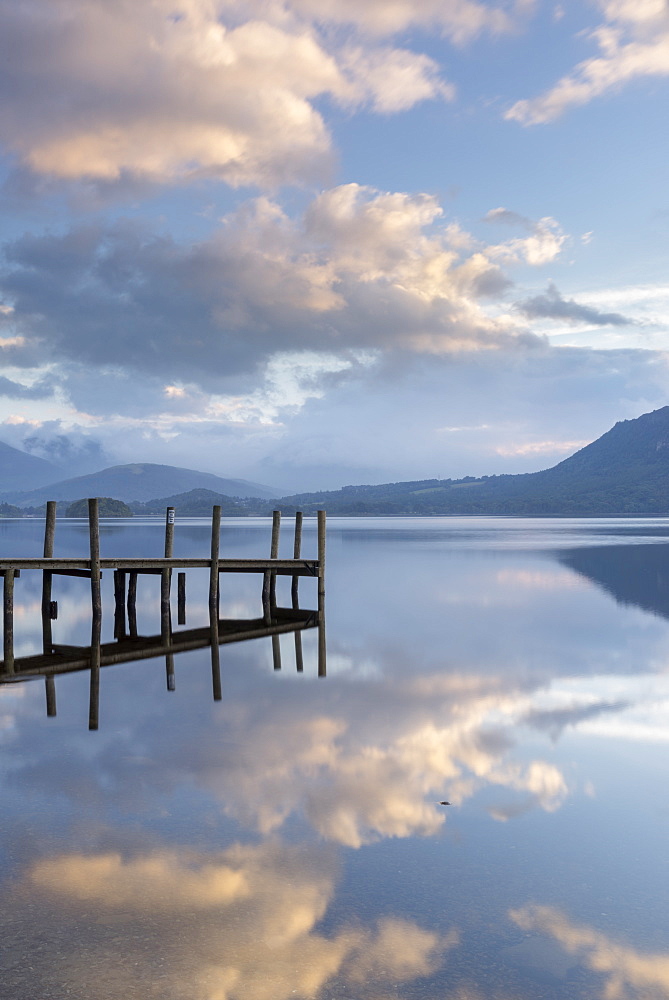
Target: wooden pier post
{"x":166,"y":575}
{"x":215,"y":548}
{"x":181,"y":598}
{"x":214,"y":602}
{"x":165,"y":599}
{"x":49,"y":528}
{"x":266,"y":608}
{"x":297,"y":551}
{"x":50,"y":685}
{"x":132,"y":603}
{"x":276,"y":652}
{"x":94,"y":694}
{"x":96,"y":605}
{"x":269,"y":578}
{"x":8,"y":620}
{"x":294,"y":592}
{"x":47,"y":577}
{"x":274,"y":554}
{"x":170,"y":518}
{"x":299,"y":659}
{"x":94,"y":540}
{"x":215,"y":651}
{"x":321,"y":594}
{"x":119,"y":604}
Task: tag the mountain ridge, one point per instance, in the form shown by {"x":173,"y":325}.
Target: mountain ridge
{"x":21,"y":471}
{"x":625,"y":471}
{"x":139,"y":481}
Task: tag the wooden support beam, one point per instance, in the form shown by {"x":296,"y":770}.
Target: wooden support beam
{"x":50,"y":686}
{"x":321,"y":595}
{"x":138,"y":564}
{"x":276,"y":652}
{"x":47,"y":576}
{"x":94,"y":541}
{"x":8,"y":621}
{"x":119,"y":604}
{"x":95,"y":658}
{"x":297,"y":551}
{"x":49,"y":528}
{"x":299,"y":660}
{"x":274,"y":554}
{"x":132,"y":603}
{"x":96,"y":605}
{"x":214,"y":639}
{"x":181,"y":598}
{"x":166,"y":575}
{"x":214,"y":561}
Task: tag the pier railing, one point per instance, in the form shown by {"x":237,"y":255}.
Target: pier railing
{"x":128,"y":645}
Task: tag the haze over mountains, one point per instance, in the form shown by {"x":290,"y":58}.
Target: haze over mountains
{"x":626,"y":471}
{"x":20,"y":471}
{"x":139,"y":481}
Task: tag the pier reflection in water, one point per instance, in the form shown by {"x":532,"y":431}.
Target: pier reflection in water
{"x":289,"y":840}
{"x":65,"y":659}
{"x":128,"y":645}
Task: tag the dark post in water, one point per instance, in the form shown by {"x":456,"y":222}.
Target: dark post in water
{"x":47,"y":577}
{"x":96,"y":603}
{"x":321,"y":593}
{"x":294,"y":593}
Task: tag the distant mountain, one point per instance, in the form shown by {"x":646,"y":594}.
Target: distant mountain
{"x":626,"y":471}
{"x":20,"y":471}
{"x":141,"y":482}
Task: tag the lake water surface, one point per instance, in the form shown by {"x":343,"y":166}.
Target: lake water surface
{"x":288,"y":841}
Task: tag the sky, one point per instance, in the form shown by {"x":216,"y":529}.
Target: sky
{"x":319,"y":242}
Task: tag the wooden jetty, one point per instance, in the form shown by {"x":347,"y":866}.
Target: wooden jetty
{"x":128,"y":645}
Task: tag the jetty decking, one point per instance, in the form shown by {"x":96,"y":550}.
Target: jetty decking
{"x":128,"y":645}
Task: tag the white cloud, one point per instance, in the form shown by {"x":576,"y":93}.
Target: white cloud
{"x":459,"y":20}
{"x":542,"y":246}
{"x":541,"y":448}
{"x":633,"y":43}
{"x":393,"y":79}
{"x":107,"y":89}
{"x":362,"y":270}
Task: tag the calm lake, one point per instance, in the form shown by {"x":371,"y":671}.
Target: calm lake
{"x":288,"y":841}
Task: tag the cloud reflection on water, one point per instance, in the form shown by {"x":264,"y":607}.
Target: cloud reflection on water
{"x":240,"y":924}
{"x":628,"y":973}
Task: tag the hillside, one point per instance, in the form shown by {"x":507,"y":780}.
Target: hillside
{"x":194,"y":503}
{"x":20,"y":471}
{"x":626,"y":471}
{"x":107,"y":507}
{"x":141,"y":482}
